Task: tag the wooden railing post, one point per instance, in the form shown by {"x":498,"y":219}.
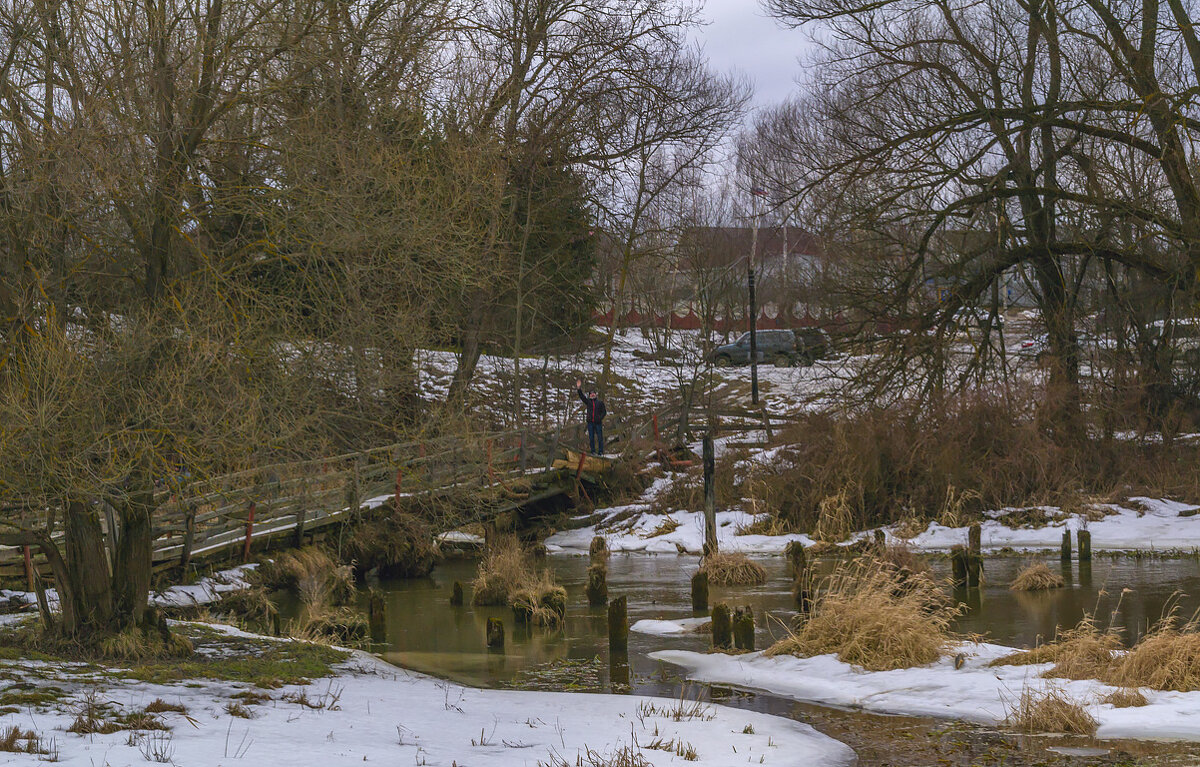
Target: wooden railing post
{"x":28,"y":567}
{"x":189,"y":535}
{"x":766,"y":423}
{"x":249,"y":533}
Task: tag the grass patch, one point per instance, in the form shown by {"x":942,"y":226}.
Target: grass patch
{"x":1084,"y":652}
{"x":233,"y":708}
{"x":17,"y":741}
{"x":503,"y":571}
{"x":541,"y":603}
{"x":1168,"y":658}
{"x":1037,"y":577}
{"x":160,"y":706}
{"x":732,"y":568}
{"x":398,"y":545}
{"x":25,"y":694}
{"x":311,"y":574}
{"x":876,"y":618}
{"x":1125,"y":697}
{"x":1051,"y":710}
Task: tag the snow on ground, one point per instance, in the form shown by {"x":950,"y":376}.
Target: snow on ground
{"x":204,"y":591}
{"x":1143,"y":524}
{"x":973,"y":693}
{"x":371,"y":712}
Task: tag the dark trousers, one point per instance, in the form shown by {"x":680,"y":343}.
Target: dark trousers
{"x":596,"y":438}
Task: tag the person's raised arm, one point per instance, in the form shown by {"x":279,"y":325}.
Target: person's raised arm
{"x":579,"y":390}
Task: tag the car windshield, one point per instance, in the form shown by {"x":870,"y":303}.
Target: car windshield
{"x":745,"y":339}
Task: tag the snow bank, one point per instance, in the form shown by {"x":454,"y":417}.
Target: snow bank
{"x":1158,"y":524}
{"x":375,"y":713}
{"x":973,"y":693}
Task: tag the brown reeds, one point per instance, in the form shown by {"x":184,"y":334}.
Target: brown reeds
{"x":730,"y":568}
{"x":1037,"y":577}
{"x":870,"y":616}
{"x":502,"y":572}
{"x":1125,"y":697}
{"x":1084,"y":652}
{"x":1051,"y":710}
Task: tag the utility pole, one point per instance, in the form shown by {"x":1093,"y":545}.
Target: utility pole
{"x":755,"y":193}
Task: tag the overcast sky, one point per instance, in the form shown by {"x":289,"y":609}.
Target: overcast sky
{"x":740,"y":36}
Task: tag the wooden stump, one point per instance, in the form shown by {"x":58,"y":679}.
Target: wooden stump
{"x":495,"y":634}
{"x":1066,"y":546}
{"x":958,"y":566}
{"x":700,"y":591}
{"x":722,"y":627}
{"x":796,"y":557}
{"x":1085,"y":545}
{"x":743,"y":628}
{"x":598,"y":551}
{"x":618,"y":625}
{"x":974,"y":569}
{"x":975,"y":539}
{"x":597,"y":585}
{"x":456,"y":594}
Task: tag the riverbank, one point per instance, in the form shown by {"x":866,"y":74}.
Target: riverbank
{"x":363,"y":710}
{"x":975,"y":692}
{"x":1147,"y":525}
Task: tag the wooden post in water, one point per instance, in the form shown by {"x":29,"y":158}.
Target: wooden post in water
{"x":495,"y":634}
{"x":958,"y":566}
{"x":1084,"y":538}
{"x":710,"y":497}
{"x":1066,"y":546}
{"x":597,"y":584}
{"x":974,"y":569}
{"x":722,"y":627}
{"x":618,"y":625}
{"x":796,"y":558}
{"x":700,"y":591}
{"x":975,"y":539}
{"x":743,"y":628}
{"x":456,"y":595}
{"x":377,"y":616}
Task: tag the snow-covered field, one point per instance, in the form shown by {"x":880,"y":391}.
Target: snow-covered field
{"x":975,"y":693}
{"x":374,"y":713}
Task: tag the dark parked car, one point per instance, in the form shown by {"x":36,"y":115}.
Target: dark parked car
{"x":776,"y":346}
{"x":811,"y":344}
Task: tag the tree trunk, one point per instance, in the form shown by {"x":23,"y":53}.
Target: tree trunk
{"x":87,"y":572}
{"x":134,"y":558}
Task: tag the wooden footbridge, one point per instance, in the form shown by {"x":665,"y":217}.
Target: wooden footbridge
{"x":452,"y":481}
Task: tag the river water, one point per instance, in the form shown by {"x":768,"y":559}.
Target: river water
{"x":426,"y":634}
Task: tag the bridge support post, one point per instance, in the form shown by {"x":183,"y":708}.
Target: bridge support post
{"x":710,"y":497}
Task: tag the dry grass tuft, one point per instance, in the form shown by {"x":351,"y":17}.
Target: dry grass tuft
{"x":1051,"y":711}
{"x":398,"y":545}
{"x":871,"y":616}
{"x":312,"y":574}
{"x":835,"y":518}
{"x":502,"y":572}
{"x":1168,"y":658}
{"x":541,"y":602}
{"x":1037,"y":577}
{"x":1125,"y":697}
{"x":1083,"y":652}
{"x":902,"y":559}
{"x":160,"y":706}
{"x":732,"y":568}
{"x":667,"y":526}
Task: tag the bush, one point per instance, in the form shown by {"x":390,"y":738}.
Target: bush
{"x":871,"y":616}
{"x":399,"y":545}
{"x":1167,"y":658}
{"x":949,"y":460}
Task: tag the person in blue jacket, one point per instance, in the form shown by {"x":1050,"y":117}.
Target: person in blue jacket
{"x":594,"y":412}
